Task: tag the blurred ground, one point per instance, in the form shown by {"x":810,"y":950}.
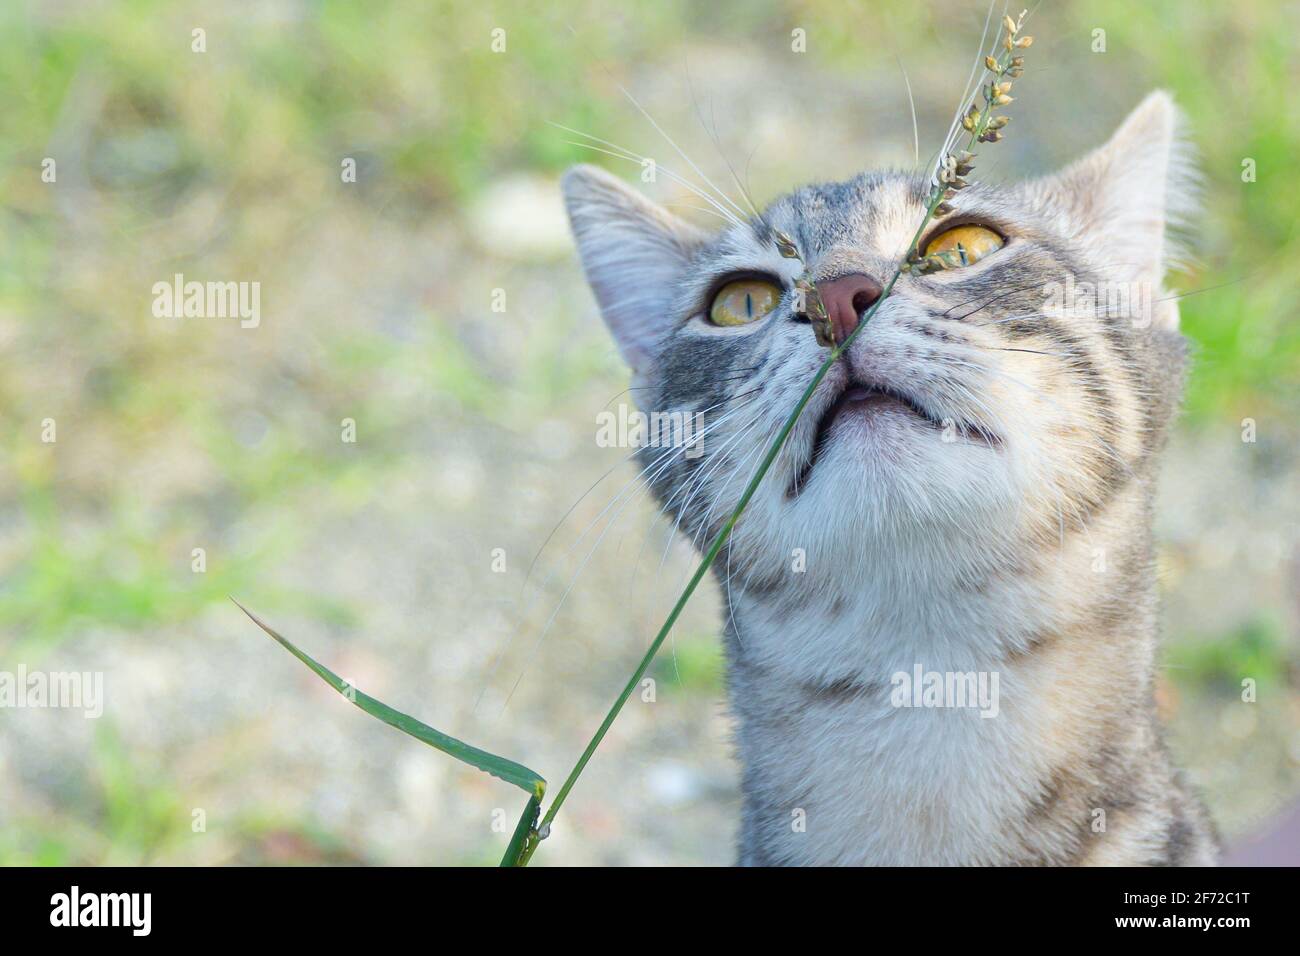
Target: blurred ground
{"x":475,"y":429}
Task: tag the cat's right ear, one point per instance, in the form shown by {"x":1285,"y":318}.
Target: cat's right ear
{"x":633,"y":251}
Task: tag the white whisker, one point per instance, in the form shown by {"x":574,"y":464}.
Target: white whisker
{"x":680,"y":152}
{"x":619,"y":152}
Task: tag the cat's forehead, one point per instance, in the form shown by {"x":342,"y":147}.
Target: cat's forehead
{"x":835,"y":226}
{"x":876,"y":213}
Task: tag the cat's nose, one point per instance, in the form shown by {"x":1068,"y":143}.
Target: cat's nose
{"x":846,"y":298}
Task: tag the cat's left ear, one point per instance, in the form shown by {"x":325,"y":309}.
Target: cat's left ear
{"x":1121,"y":197}
{"x":633,"y":251}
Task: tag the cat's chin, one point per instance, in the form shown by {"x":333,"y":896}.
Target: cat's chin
{"x":877,"y":424}
{"x":881,"y":427}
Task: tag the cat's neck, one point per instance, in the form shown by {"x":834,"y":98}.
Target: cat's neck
{"x":1023,"y":659}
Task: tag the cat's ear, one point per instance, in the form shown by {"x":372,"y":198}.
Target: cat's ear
{"x":633,"y":251}
{"x":1122,"y":197}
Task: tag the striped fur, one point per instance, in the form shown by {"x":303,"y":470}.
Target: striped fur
{"x":1002,"y":525}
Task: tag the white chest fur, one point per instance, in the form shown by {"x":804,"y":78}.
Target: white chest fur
{"x":847,"y":762}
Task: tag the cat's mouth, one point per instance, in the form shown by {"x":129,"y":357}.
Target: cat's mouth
{"x":867,"y":400}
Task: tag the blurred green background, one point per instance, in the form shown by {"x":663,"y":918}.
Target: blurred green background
{"x":475,"y":428}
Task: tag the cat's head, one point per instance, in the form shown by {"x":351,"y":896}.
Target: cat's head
{"x":991,"y":402}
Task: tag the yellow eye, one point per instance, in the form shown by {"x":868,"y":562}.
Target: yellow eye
{"x":964,"y":245}
{"x":744,"y":301}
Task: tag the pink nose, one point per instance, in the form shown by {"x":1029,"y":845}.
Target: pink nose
{"x":846,"y":298}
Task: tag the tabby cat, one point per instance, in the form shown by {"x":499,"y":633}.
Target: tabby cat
{"x":940,"y":605}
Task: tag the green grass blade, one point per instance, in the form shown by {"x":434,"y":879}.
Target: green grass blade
{"x":527,"y":780}
{"x":937,"y":192}
{"x":773,"y":450}
{"x":525,"y":836}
